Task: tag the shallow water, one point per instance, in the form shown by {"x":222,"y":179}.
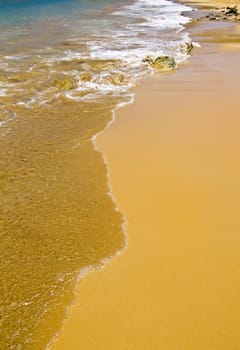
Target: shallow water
{"x":64,"y":66}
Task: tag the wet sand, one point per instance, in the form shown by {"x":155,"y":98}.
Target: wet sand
{"x":173,"y":158}
{"x":55,"y":218}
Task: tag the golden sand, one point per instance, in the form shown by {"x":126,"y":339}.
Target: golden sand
{"x":216,"y":3}
{"x":174,"y":164}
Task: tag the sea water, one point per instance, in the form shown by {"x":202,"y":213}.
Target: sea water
{"x":65,"y":65}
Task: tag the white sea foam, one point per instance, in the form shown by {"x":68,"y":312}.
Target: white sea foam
{"x":148,"y":27}
{"x":128,"y":35}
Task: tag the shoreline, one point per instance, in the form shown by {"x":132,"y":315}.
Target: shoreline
{"x":101,"y":264}
{"x":61,"y":344}
{"x":56,"y":199}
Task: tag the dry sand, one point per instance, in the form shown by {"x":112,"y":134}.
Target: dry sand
{"x":213,"y":3}
{"x":174,"y":164}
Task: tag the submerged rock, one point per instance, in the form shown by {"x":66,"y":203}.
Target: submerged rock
{"x":86,"y":76}
{"x":66,"y":83}
{"x":186,"y":47}
{"x":161,"y":63}
{"x":100,"y":65}
{"x":116,"y":79}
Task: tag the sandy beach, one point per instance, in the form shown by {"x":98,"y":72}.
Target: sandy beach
{"x":173,"y":159}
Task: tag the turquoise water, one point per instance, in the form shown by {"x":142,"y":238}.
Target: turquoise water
{"x":14,"y":12}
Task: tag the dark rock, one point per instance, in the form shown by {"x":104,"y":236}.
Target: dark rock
{"x":232,"y":11}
